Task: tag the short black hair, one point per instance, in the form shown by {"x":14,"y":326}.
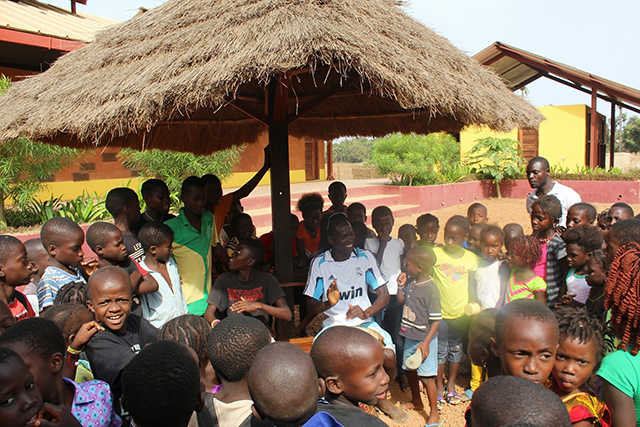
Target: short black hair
{"x":588,"y":209}
{"x":38,"y":334}
{"x":477,"y":205}
{"x":109,"y":271}
{"x":74,"y":292}
{"x":287,"y":368}
{"x":256,"y":249}
{"x":8,"y":246}
{"x":210,"y":179}
{"x":410,"y":227}
{"x":332,"y":351}
{"x":236,"y":219}
{"x":513,"y":229}
{"x":34,"y":245}
{"x":190,"y":330}
{"x":337,"y":184}
{"x":460,"y":222}
{"x":544,"y":162}
{"x":624,"y":206}
{"x":68,"y":317}
{"x":98,"y":234}
{"x":58,"y":230}
{"x":6,"y":355}
{"x":527,"y":403}
{"x":309,"y":201}
{"x":527,"y":308}
{"x":550,"y":205}
{"x":425,"y":255}
{"x":492,"y":230}
{"x":153,"y":185}
{"x":154,"y":233}
{"x":482,"y":330}
{"x":427,"y":218}
{"x":118,"y":198}
{"x":355,"y":206}
{"x":192,"y":182}
{"x":333,"y":221}
{"x":381,"y":211}
{"x":626,"y":231}
{"x":587,"y":237}
{"x":161,"y":385}
{"x":234,"y":343}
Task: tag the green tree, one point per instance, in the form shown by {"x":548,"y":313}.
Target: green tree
{"x":631,"y":135}
{"x":356,"y":150}
{"x":25,"y":164}
{"x":418,"y":159}
{"x":496,"y":158}
{"x":173,"y":167}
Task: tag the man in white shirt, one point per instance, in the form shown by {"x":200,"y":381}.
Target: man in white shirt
{"x":538,"y":177}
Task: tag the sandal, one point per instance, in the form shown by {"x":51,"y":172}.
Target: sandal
{"x":441,"y":402}
{"x":453,"y":398}
{"x":466,"y":396}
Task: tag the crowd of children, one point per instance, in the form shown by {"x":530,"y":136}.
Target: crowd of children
{"x":169,"y":323}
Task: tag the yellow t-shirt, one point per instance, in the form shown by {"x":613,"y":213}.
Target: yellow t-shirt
{"x":451,"y":274}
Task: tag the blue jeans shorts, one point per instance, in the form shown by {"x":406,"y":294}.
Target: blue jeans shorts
{"x":429,"y":366}
{"x":450,"y":334}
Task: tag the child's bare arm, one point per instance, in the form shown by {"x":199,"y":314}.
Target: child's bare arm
{"x":402,"y":281}
{"x":279,"y":311}
{"x":473,"y":294}
{"x":504,"y":273}
{"x":221,"y":255}
{"x":383,"y":239}
{"x":210,"y":313}
{"x":142,"y":285}
{"x":541,"y":296}
{"x":623,"y":413}
{"x":383,"y":300}
{"x":424,"y":345}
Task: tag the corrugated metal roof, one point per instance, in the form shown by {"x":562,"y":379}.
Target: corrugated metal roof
{"x":40,"y":18}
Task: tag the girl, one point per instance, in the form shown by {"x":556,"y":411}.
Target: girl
{"x":551,"y":266}
{"x":596,"y":279}
{"x":523,"y":282}
{"x":493,"y":273}
{"x":580,"y":351}
{"x":581,"y":241}
{"x":428,"y":227}
{"x":621,"y":369}
{"x":309,"y":235}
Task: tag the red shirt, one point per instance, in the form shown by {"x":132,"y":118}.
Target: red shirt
{"x":19,"y":311}
{"x":267,"y":242}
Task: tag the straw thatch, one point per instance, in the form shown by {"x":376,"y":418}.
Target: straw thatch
{"x":168,"y":78}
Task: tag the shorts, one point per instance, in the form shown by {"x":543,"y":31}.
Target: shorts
{"x":450,"y":335}
{"x":429,"y":366}
{"x":388,"y":343}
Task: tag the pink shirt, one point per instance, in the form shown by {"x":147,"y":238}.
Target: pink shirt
{"x":541,"y":267}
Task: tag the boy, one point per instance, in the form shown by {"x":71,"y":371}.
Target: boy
{"x":620,"y":234}
{"x":408,"y":234}
{"x":581,"y":213}
{"x":157,"y":200}
{"x":39,"y":258}
{"x":511,"y":231}
{"x":154,"y":398}
{"x":168,"y":302}
{"x":245,"y":289}
{"x":41,"y":346}
{"x":62,"y":239}
{"x":350,"y":363}
{"x":617,"y":212}
{"x":106,"y":241}
{"x":15,"y":270}
{"x":421,"y":316}
{"x":233,"y":345}
{"x":124,"y":206}
{"x":428,"y":227}
{"x":477,"y":214}
{"x":18,"y":389}
{"x":474,"y":244}
{"x":454,"y":273}
{"x":125,"y":334}
{"x":195,"y":235}
{"x":358,"y":212}
{"x":337,"y":195}
{"x":241,"y":229}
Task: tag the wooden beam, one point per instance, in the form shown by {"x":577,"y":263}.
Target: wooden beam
{"x":250,"y":111}
{"x":496,"y":58}
{"x":322,"y":97}
{"x":529,"y":80}
{"x":612,"y":135}
{"x":593,"y":148}
{"x":330,"y":176}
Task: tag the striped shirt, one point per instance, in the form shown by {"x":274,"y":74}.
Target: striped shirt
{"x":51,"y":281}
{"x":523,"y":290}
{"x":420,"y":309}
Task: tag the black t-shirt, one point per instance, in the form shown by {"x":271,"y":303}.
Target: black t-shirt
{"x":134,"y":247}
{"x":350,"y":415}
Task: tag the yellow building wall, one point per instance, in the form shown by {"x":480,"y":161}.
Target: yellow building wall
{"x":68,"y":190}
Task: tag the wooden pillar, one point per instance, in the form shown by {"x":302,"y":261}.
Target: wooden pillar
{"x":612,"y":141}
{"x":593,"y":152}
{"x":330,"y":176}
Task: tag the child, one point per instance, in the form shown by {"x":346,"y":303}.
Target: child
{"x":409,"y":235}
{"x":15,"y":270}
{"x":620,"y":369}
{"x":581,"y":241}
{"x":511,"y":231}
{"x":6,"y":317}
{"x":551,"y":266}
{"x":19,"y":394}
{"x":617,"y":212}
{"x":428,"y":227}
{"x":350,"y":364}
{"x":194,"y":238}
{"x":493,"y":274}
{"x":510,"y":401}
{"x":526,"y":340}
{"x":602,"y":221}
{"x":124,"y":206}
{"x":161,"y":386}
{"x":73,"y":292}
{"x":473,"y":243}
{"x":310,"y":204}
{"x":360,"y":233}
{"x":62,"y":239}
{"x":40,"y":344}
{"x":242,"y":229}
{"x":337,"y":195}
{"x":168,"y":301}
{"x":39,"y":258}
{"x":245,"y":289}
{"x":157,"y":200}
{"x":107,"y":242}
{"x":267,"y":242}
{"x":482,"y":333}
{"x":454,"y":273}
{"x":523,"y":282}
{"x":596,"y":279}
{"x":477,"y":214}
{"x":421,"y":316}
{"x":580,"y":351}
{"x":358,"y":212}
{"x":125,"y":334}
{"x":233,"y":345}
{"x":620,"y":234}
{"x":580,"y":214}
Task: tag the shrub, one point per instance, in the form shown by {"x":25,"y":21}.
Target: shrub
{"x":17,"y":218}
{"x":497,"y":159}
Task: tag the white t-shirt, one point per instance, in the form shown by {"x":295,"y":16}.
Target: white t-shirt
{"x":567,"y":196}
{"x":166,"y":303}
{"x":390,"y":267}
{"x":353,"y":275}
{"x":488,"y":284}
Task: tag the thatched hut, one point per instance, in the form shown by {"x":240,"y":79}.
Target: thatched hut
{"x":202,"y":75}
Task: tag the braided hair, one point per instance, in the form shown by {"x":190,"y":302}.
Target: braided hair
{"x":190,"y":330}
{"x":622,"y":296}
{"x":527,"y":248}
{"x":578,"y":325}
{"x":73,"y":292}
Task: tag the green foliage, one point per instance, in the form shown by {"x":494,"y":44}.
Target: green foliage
{"x":584,"y":170}
{"x":418,"y":159}
{"x":84,"y":208}
{"x":356,"y":150}
{"x":17,"y":218}
{"x":44,"y":210}
{"x":173,"y":167}
{"x":631,"y":135}
{"x":496,"y":158}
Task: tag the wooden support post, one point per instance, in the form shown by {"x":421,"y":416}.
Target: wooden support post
{"x":593,"y":152}
{"x":612,"y":141}
{"x":330,"y":176}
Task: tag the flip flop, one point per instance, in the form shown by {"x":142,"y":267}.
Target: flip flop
{"x":433,"y":425}
{"x":453,"y":398}
{"x":441,"y":402}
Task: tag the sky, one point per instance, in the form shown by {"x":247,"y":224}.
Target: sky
{"x":594,"y":36}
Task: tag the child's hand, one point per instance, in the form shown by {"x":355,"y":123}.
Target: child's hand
{"x":333,"y":294}
{"x":402,"y":279}
{"x":502,"y":256}
{"x":242,"y":306}
{"x":55,"y":416}
{"x":355,"y":311}
{"x":85,"y":333}
{"x":90,"y":265}
{"x":564,"y":300}
{"x":424,"y":348}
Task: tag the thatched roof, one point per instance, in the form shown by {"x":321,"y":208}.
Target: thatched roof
{"x":168,"y":78}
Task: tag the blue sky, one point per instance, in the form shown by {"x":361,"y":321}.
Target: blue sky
{"x":595,"y":36}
